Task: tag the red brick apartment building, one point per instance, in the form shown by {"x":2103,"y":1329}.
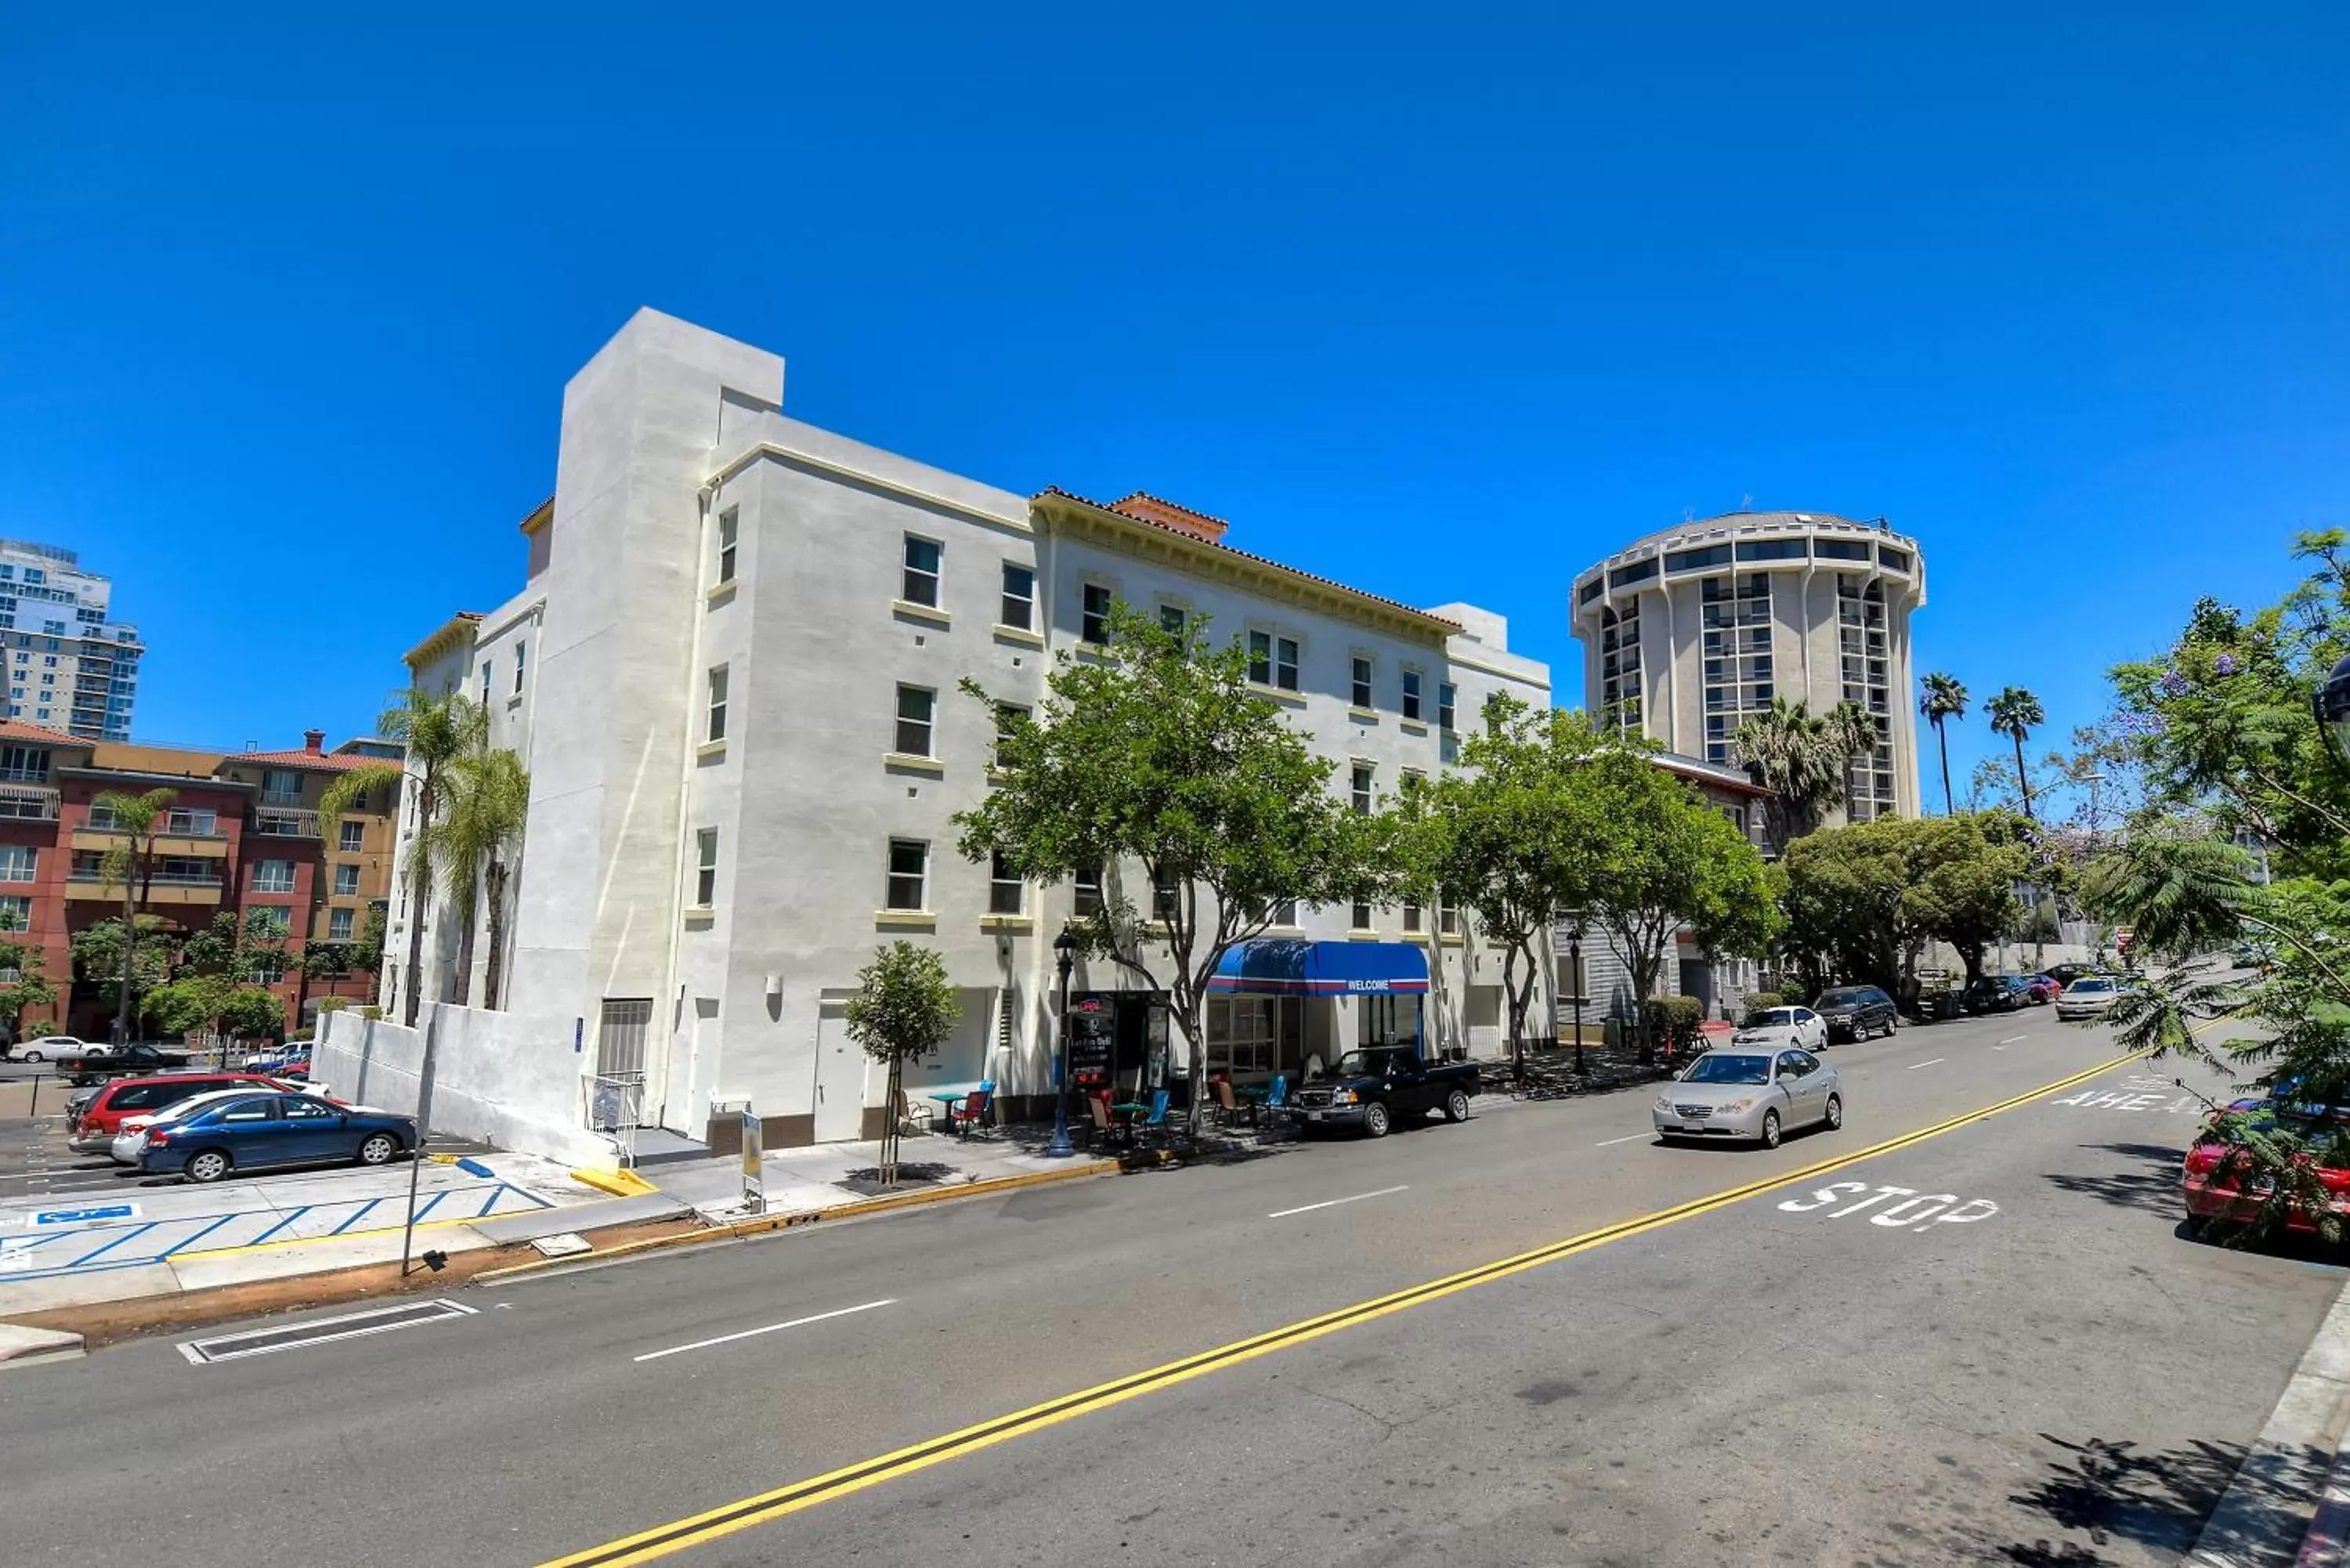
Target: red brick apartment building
{"x":242,"y":833}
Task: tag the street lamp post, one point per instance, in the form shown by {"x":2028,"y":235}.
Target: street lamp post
{"x":1574,"y":977}
{"x":1065,"y":957}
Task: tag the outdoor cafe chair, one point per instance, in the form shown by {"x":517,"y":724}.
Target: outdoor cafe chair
{"x":973,"y":1111}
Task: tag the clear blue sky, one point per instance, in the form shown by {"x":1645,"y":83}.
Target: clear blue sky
{"x":1444,"y":305}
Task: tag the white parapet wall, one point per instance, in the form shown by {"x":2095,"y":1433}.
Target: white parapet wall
{"x":510,"y":1079}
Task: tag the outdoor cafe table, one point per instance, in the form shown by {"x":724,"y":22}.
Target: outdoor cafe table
{"x":948,"y":1102}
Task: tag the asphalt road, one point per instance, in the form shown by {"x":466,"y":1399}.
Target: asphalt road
{"x":1989,"y":1344}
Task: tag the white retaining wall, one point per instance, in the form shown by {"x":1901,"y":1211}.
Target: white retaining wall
{"x":508,"y":1078}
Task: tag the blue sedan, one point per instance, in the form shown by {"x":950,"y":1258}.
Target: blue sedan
{"x":246,"y":1131}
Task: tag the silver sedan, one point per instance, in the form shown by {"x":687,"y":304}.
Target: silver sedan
{"x":1759,"y":1096}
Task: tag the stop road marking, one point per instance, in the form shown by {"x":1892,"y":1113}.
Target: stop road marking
{"x":1914,"y":1211}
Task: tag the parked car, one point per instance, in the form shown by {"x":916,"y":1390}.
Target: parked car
{"x":2041,"y":989}
{"x":1798,"y":1026}
{"x":1995,"y":993}
{"x":1857,"y":1012}
{"x":130,"y":1132}
{"x":1376,"y":1088}
{"x":277,"y":1060}
{"x":53,"y":1047}
{"x":97,"y":1119}
{"x":2221,"y":1185}
{"x":127,"y":1061}
{"x":2091,"y":996}
{"x":2064,"y":975}
{"x":243,"y":1132}
{"x":1758,"y":1095}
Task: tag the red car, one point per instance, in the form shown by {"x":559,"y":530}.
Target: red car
{"x":94,"y":1128}
{"x":2214,"y":1187}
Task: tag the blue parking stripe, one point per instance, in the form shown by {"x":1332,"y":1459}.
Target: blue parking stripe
{"x":281,"y":1224}
{"x":535,"y":1200}
{"x":356,"y":1218}
{"x":437,"y":1197}
{"x":492,"y":1202}
{"x":192,"y":1241}
{"x":127,"y":1235}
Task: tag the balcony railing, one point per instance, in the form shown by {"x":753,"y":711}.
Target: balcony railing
{"x":284,"y":823}
{"x":27,"y":803}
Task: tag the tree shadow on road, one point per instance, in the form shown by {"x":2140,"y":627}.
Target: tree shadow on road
{"x":2100,"y":1494}
{"x":2151,"y":1186}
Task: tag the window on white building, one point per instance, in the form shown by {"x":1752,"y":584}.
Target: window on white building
{"x":1444,"y":705}
{"x":1362,"y":915}
{"x":916,"y":706}
{"x":714,"y":725}
{"x":519,"y":649}
{"x":919,"y":584}
{"x":1092,"y":619}
{"x":1360,"y":789}
{"x":1006,"y":893}
{"x":1164,"y":898}
{"x":1085,"y":892}
{"x":1412,"y":915}
{"x":1448,"y":914}
{"x":1284,"y":911}
{"x":705,"y":867}
{"x":909,"y":865}
{"x":1019,"y":609}
{"x":729,"y":521}
{"x":1362,"y":682}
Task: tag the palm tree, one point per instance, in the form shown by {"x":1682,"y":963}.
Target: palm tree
{"x":132,"y":863}
{"x":438,"y":730}
{"x":487,"y":795}
{"x":2015,"y":714}
{"x":1800,"y":758}
{"x":1941,"y":697}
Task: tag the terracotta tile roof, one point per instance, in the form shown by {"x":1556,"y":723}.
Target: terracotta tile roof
{"x":318,"y":762}
{"x":18,"y":730}
{"x":1145,"y":507}
{"x":1197,"y":537}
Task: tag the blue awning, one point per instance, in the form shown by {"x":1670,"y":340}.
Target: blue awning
{"x":1290,"y":966}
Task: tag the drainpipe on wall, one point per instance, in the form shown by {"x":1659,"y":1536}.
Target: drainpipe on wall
{"x":672,"y":989}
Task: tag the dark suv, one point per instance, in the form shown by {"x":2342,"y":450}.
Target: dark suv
{"x":1997,"y":994}
{"x":1856,"y":1011}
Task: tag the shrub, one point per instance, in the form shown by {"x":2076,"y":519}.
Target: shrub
{"x":1763,"y":1001}
{"x":1672,"y":1023}
{"x":333,"y":1003}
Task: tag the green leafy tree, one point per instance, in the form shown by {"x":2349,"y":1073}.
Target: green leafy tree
{"x":1942,"y":698}
{"x":29,"y":987}
{"x":2015,"y":714}
{"x":485,"y":799}
{"x":101,"y":955}
{"x":131,"y":861}
{"x":1862,"y":901}
{"x":1670,"y":860}
{"x":1522,"y":836}
{"x":250,"y":1012}
{"x":1154,"y":751}
{"x":437,"y":729}
{"x":903,"y":1008}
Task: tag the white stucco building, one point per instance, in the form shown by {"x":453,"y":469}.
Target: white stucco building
{"x":733,"y":674}
{"x":1690,"y":629}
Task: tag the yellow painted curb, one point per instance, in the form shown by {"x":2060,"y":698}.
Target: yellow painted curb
{"x":766,"y":1222}
{"x":618,"y":1183}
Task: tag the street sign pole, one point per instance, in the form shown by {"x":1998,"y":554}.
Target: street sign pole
{"x":423,"y":1122}
{"x":755,"y":1185}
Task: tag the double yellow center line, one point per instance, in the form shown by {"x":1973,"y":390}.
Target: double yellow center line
{"x":772,"y":1505}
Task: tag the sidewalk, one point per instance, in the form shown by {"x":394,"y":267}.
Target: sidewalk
{"x":2283,"y":1507}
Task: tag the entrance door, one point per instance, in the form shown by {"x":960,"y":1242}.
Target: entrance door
{"x":620,"y":1063}
{"x":839,"y":1077}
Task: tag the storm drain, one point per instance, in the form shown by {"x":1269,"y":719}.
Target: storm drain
{"x":319,"y":1331}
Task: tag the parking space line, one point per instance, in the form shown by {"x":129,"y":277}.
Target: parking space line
{"x":281,"y":1223}
{"x":1915,"y":1066}
{"x":491,"y":1200}
{"x":127,"y":1235}
{"x":771,"y":1328}
{"x":356,"y":1216}
{"x":199,"y":1236}
{"x":1333,"y":1202}
{"x":428,"y":1209}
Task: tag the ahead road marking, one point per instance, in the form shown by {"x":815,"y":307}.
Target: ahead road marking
{"x":771,"y":1328}
{"x":665,"y":1540}
{"x":1333,"y":1203}
{"x":1613,"y":1141}
{"x":1915,"y":1066}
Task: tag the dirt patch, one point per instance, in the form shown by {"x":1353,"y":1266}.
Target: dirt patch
{"x":105,"y":1322}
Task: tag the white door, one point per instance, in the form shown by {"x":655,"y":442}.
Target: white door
{"x":839,"y":1077}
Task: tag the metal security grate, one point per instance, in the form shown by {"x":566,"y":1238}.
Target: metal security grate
{"x":319,"y":1331}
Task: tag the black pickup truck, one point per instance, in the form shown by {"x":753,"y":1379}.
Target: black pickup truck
{"x":119,"y":1061}
{"x":1380,"y":1086}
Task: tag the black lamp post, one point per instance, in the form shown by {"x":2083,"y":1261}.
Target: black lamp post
{"x":1065,"y":957}
{"x":2331,"y":703}
{"x":1575,"y":975}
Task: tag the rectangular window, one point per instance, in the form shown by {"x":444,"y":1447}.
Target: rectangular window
{"x":1839,"y":549}
{"x":1412,"y":915}
{"x":915,"y":706}
{"x":1448,"y":914}
{"x":1637,"y":571}
{"x":340,"y":923}
{"x":1444,"y":705}
{"x":1006,"y":893}
{"x":271,"y":876}
{"x":1260,"y":649}
{"x":1698,"y":560}
{"x":920,"y":581}
{"x":1009,"y":717}
{"x":1284,"y":663}
{"x":715,"y":727}
{"x":1093,"y":622}
{"x":1359,"y":790}
{"x":347,"y":881}
{"x":705,"y":867}
{"x":353,"y":838}
{"x":1284,"y":911}
{"x":1173,"y":620}
{"x":1362,"y":915}
{"x":1162,"y":899}
{"x":1362,"y":684}
{"x":15,"y":913}
{"x":1893,"y":559}
{"x":1773,"y":549}
{"x":199,"y":822}
{"x":910,"y":864}
{"x":1411,"y":693}
{"x":16,"y":862}
{"x":519,"y":649}
{"x":486,"y":683}
{"x":281,"y":786}
{"x":1085,"y":888}
{"x":1019,"y":597}
{"x":730,"y":524}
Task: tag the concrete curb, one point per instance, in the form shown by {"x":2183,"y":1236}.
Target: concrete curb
{"x":766,"y":1222}
{"x":2263,"y":1518}
{"x":23,"y":1346}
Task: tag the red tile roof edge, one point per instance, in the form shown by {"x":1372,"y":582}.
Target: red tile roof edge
{"x":321,"y":762}
{"x":23,"y":730}
{"x":1244,"y":555}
